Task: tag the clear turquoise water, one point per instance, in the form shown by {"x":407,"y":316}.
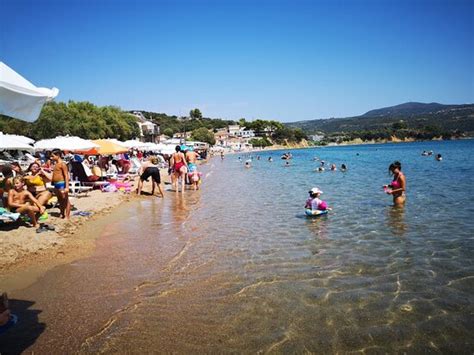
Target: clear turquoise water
{"x":237,"y":267}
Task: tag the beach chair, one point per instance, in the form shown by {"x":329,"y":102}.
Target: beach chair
{"x":78,"y":173}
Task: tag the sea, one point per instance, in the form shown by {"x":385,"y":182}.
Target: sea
{"x":237,"y":267}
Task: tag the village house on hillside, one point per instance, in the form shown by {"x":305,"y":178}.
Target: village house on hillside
{"x":149,"y":131}
{"x":234,"y":138}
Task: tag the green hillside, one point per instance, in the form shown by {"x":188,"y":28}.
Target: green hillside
{"x":416,"y":117}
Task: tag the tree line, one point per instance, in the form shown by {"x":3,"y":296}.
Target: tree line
{"x":82,"y":119}
{"x":88,"y":121}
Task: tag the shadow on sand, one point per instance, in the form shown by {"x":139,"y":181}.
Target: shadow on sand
{"x":24,"y":334}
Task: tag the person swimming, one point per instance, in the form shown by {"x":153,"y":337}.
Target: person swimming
{"x":343,"y":167}
{"x":438,"y":157}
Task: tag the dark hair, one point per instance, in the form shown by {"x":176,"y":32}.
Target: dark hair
{"x":7,"y":171}
{"x":395,"y":165}
{"x":35,"y":162}
{"x":178,"y":148}
{"x":57,"y":152}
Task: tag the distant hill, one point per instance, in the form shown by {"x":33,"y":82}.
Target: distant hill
{"x":414,"y":115}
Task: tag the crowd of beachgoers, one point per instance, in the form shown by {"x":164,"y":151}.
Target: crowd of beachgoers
{"x":52,"y":176}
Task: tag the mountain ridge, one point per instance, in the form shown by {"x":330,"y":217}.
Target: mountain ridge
{"x":416,"y":115}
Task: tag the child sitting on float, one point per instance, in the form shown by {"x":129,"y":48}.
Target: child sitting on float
{"x":314,"y":203}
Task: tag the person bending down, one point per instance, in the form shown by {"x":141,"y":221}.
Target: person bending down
{"x":22,"y":201}
{"x":151,"y":169}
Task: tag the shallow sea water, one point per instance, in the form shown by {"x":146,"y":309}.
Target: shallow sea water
{"x":238,"y":267}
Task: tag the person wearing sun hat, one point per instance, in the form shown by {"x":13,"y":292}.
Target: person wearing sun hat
{"x":314,"y":203}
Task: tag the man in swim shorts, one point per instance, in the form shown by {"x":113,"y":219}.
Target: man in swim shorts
{"x":150,"y":168}
{"x":191,"y":158}
{"x":60,"y":181}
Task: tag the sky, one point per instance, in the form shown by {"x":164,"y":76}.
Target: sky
{"x":284,"y":60}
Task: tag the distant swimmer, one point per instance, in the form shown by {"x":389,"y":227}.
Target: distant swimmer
{"x":287,"y":164}
{"x":323,"y":162}
{"x":424,"y":154}
{"x":397,"y":187}
{"x":270,"y":159}
{"x":319,"y":169}
{"x":343,"y":168}
{"x":248,"y":163}
{"x":438,"y":157}
{"x":333,"y":167}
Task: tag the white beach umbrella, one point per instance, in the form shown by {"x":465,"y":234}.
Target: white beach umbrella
{"x":168,"y":149}
{"x":10,"y":142}
{"x":133,"y":144}
{"x":19,"y":98}
{"x":65,"y":143}
{"x":22,"y":138}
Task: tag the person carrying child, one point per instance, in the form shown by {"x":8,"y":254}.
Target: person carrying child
{"x":314,"y":203}
{"x":60,"y":181}
{"x":22,"y":201}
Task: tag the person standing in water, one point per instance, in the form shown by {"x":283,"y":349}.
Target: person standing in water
{"x":179,"y":168}
{"x":191,"y":159}
{"x":397,"y":187}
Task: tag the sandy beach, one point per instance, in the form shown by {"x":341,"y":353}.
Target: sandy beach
{"x":21,"y":248}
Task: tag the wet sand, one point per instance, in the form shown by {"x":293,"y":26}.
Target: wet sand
{"x":74,"y":302}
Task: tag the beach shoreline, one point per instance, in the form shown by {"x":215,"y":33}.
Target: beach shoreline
{"x":25,"y":255}
{"x":355,"y":142}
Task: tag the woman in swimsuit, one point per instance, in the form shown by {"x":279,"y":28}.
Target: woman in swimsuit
{"x":36,"y":183}
{"x":179,"y":168}
{"x":398,"y":186}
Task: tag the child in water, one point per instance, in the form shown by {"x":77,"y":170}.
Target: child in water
{"x":314,"y":203}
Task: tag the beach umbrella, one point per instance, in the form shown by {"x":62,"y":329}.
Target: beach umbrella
{"x":19,"y":98}
{"x":168,"y":149}
{"x":11,"y":142}
{"x":106,"y":147}
{"x":134,"y":144}
{"x":22,"y":138}
{"x":65,"y":143}
{"x":116,"y":141}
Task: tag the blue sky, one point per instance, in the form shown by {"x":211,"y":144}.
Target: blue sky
{"x":283,"y":60}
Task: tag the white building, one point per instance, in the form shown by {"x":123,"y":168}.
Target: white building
{"x":149,"y":131}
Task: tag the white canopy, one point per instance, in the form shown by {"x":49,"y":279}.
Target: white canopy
{"x":134,"y":144}
{"x":11,"y":142}
{"x":19,"y":98}
{"x":65,"y":143}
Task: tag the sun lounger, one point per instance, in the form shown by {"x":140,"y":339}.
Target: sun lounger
{"x":79,"y":174}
